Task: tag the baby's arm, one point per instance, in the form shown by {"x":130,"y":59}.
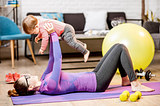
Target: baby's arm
{"x":48,"y":30}
{"x":38,"y":37}
{"x":44,"y":42}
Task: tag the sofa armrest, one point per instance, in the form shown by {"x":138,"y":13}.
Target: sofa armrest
{"x":152,"y":27}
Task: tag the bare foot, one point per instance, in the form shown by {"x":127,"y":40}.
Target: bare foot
{"x":136,"y":86}
{"x":125,"y":81}
{"x":86,"y":56}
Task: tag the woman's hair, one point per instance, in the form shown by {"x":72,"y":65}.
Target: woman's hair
{"x":20,"y":89}
{"x":29,"y":23}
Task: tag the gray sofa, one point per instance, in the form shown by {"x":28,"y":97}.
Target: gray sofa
{"x":154,"y":29}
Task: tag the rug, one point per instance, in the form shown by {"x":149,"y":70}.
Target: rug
{"x":112,"y":92}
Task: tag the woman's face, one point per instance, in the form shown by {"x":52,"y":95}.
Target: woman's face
{"x":29,"y":80}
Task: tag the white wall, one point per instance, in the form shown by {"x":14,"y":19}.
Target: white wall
{"x":132,"y":8}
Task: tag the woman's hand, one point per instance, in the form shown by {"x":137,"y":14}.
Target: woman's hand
{"x":49,"y":28}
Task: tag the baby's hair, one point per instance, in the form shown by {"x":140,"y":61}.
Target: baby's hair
{"x":29,"y":23}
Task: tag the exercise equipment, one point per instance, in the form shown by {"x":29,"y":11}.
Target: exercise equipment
{"x":148,"y":75}
{"x":124,"y":96}
{"x":139,"y":94}
{"x":127,"y":92}
{"x":134,"y":97}
{"x":138,"y":41}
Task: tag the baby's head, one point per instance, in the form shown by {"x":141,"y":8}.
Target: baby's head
{"x":30,"y":25}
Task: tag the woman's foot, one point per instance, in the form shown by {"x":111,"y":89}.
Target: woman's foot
{"x":136,"y":86}
{"x":125,"y":81}
{"x":86,"y":56}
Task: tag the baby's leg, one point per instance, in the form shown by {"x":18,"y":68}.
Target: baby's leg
{"x":84,"y":44}
{"x":70,"y":39}
{"x":88,"y":53}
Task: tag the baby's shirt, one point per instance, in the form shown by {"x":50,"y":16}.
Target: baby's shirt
{"x":58,"y":27}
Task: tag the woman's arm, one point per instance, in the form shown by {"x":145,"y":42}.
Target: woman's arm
{"x":53,"y":70}
{"x":49,"y":28}
{"x":56,"y":56}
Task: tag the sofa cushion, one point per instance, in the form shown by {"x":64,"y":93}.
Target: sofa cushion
{"x":95,"y":20}
{"x":114,"y":15}
{"x":156,"y":39}
{"x":77,"y":20}
{"x":55,"y":16}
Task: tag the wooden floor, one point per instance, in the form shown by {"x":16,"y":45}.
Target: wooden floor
{"x":24,"y":65}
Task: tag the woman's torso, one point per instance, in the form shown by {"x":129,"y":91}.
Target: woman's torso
{"x":69,"y":82}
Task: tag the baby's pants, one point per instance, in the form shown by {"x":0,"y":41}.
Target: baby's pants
{"x":69,"y":37}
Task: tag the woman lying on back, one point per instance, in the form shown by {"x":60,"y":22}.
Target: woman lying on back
{"x":55,"y":81}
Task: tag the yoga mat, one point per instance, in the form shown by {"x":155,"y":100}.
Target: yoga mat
{"x":112,"y":92}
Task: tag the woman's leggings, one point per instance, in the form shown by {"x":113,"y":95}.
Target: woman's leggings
{"x":116,"y":57}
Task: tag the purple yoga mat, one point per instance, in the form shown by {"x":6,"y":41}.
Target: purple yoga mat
{"x":112,"y":92}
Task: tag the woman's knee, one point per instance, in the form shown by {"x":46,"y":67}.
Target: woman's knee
{"x":121,"y":46}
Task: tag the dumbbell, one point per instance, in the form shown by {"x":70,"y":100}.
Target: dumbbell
{"x":124,"y":96}
{"x":148,"y":75}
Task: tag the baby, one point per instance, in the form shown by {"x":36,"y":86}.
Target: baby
{"x":32,"y":25}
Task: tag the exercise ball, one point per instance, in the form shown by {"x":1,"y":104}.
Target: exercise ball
{"x":138,"y":41}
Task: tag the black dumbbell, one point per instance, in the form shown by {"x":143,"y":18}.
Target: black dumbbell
{"x":139,"y":71}
{"x":148,"y":75}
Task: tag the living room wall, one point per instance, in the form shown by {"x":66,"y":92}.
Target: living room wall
{"x":132,"y":8}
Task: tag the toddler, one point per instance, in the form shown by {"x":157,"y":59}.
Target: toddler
{"x":32,"y":25}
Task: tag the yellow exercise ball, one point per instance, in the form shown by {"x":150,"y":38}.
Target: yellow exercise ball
{"x":138,"y":41}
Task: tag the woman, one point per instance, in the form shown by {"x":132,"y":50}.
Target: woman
{"x":54,"y":81}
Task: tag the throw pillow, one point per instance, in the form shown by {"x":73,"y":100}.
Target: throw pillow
{"x":95,"y":20}
{"x":117,"y":20}
{"x":55,"y":16}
